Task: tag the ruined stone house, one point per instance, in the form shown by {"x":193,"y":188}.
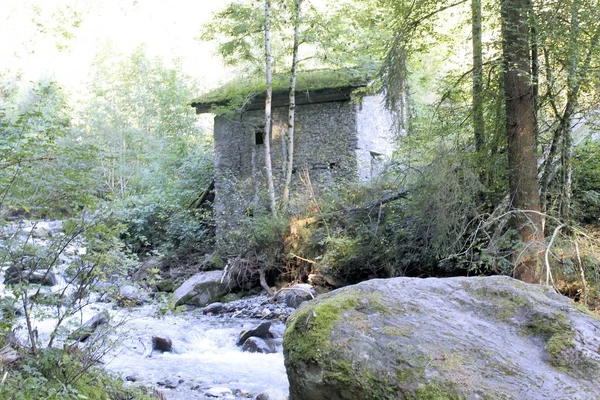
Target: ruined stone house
{"x":339,"y":138}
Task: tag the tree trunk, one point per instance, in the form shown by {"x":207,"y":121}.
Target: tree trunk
{"x":269,"y":79}
{"x":292,"y":107}
{"x":572,"y":90}
{"x":478,"y":120}
{"x":520,"y":130}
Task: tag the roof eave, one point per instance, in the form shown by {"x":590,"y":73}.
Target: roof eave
{"x":281,"y":99}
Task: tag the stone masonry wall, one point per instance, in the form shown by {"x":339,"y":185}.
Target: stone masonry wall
{"x":375,"y":135}
{"x":327,"y":151}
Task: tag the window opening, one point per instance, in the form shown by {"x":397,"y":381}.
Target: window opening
{"x":259,"y":137}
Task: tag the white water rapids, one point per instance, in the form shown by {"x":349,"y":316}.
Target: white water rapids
{"x":204,"y":354}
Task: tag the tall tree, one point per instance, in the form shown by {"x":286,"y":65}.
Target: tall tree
{"x":268,"y":97}
{"x":521,"y":135}
{"x":478,"y":121}
{"x":570,"y":50}
{"x":292,"y":107}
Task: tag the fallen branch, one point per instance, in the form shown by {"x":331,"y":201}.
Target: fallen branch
{"x":263,"y":282}
{"x":303,"y":259}
{"x":582,"y":272}
{"x":366,"y":207}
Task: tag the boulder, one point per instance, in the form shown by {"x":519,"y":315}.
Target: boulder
{"x":163,"y":344}
{"x":42,"y":278}
{"x":471,"y":338}
{"x":201,"y":289}
{"x":130,"y":295}
{"x":165,"y":285}
{"x":298,"y":294}
{"x":86,"y":330}
{"x":261,"y":331}
{"x":259,"y":345}
{"x":14,"y":275}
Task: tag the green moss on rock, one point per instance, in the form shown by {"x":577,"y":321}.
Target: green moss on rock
{"x":555,"y":330}
{"x":306,"y":81}
{"x":307,"y":335}
{"x":436,"y":391}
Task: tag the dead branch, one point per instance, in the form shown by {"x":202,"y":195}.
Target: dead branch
{"x":263,"y":282}
{"x":582,"y":272}
{"x":366,"y":207}
{"x":547,"y":253}
{"x":303,"y":259}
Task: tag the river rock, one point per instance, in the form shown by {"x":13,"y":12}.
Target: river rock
{"x":163,"y":344}
{"x":259,"y":345}
{"x":261,"y":331}
{"x":271,"y":394}
{"x":165,"y":285}
{"x":214,"y":308}
{"x":298,"y":294}
{"x":14,"y":275}
{"x":218,"y":392}
{"x":87,"y":329}
{"x":130,"y":295}
{"x":201,"y":289}
{"x":170,"y":383}
{"x":471,"y":338}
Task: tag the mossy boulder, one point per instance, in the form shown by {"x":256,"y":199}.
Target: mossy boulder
{"x":457,"y":338}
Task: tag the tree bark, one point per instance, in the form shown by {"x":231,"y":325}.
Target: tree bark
{"x":478,"y":120}
{"x":292,"y":107}
{"x":566,"y":123}
{"x":268,"y":100}
{"x":520,"y":130}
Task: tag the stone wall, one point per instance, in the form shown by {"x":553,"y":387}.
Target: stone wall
{"x":327,"y":151}
{"x":375,"y":134}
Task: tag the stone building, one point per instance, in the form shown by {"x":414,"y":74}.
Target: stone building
{"x":339,"y":138}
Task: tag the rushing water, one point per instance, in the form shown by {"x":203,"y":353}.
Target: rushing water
{"x":204,"y":351}
{"x":204,"y":355}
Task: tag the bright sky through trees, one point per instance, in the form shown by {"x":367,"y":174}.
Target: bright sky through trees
{"x":58,"y":39}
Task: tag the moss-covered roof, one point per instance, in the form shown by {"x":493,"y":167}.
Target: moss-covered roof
{"x":238,"y":91}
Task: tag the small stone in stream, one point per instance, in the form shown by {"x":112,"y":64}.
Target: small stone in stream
{"x":259,"y":345}
{"x":261,"y":331}
{"x":266,"y":312}
{"x":218,"y":392}
{"x":271,"y":394}
{"x":131,"y":378}
{"x":170,"y":383}
{"x":243,"y":393}
{"x":163,"y":344}
{"x":213,"y":308}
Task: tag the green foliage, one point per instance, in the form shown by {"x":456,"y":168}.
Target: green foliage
{"x":62,"y":375}
{"x":164,"y":221}
{"x":155,"y":225}
{"x":586,"y":182}
{"x":44,"y":170}
{"x":139,"y":118}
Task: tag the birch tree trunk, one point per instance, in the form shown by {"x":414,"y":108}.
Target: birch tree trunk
{"x":292,"y":107}
{"x":269,"y":95}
